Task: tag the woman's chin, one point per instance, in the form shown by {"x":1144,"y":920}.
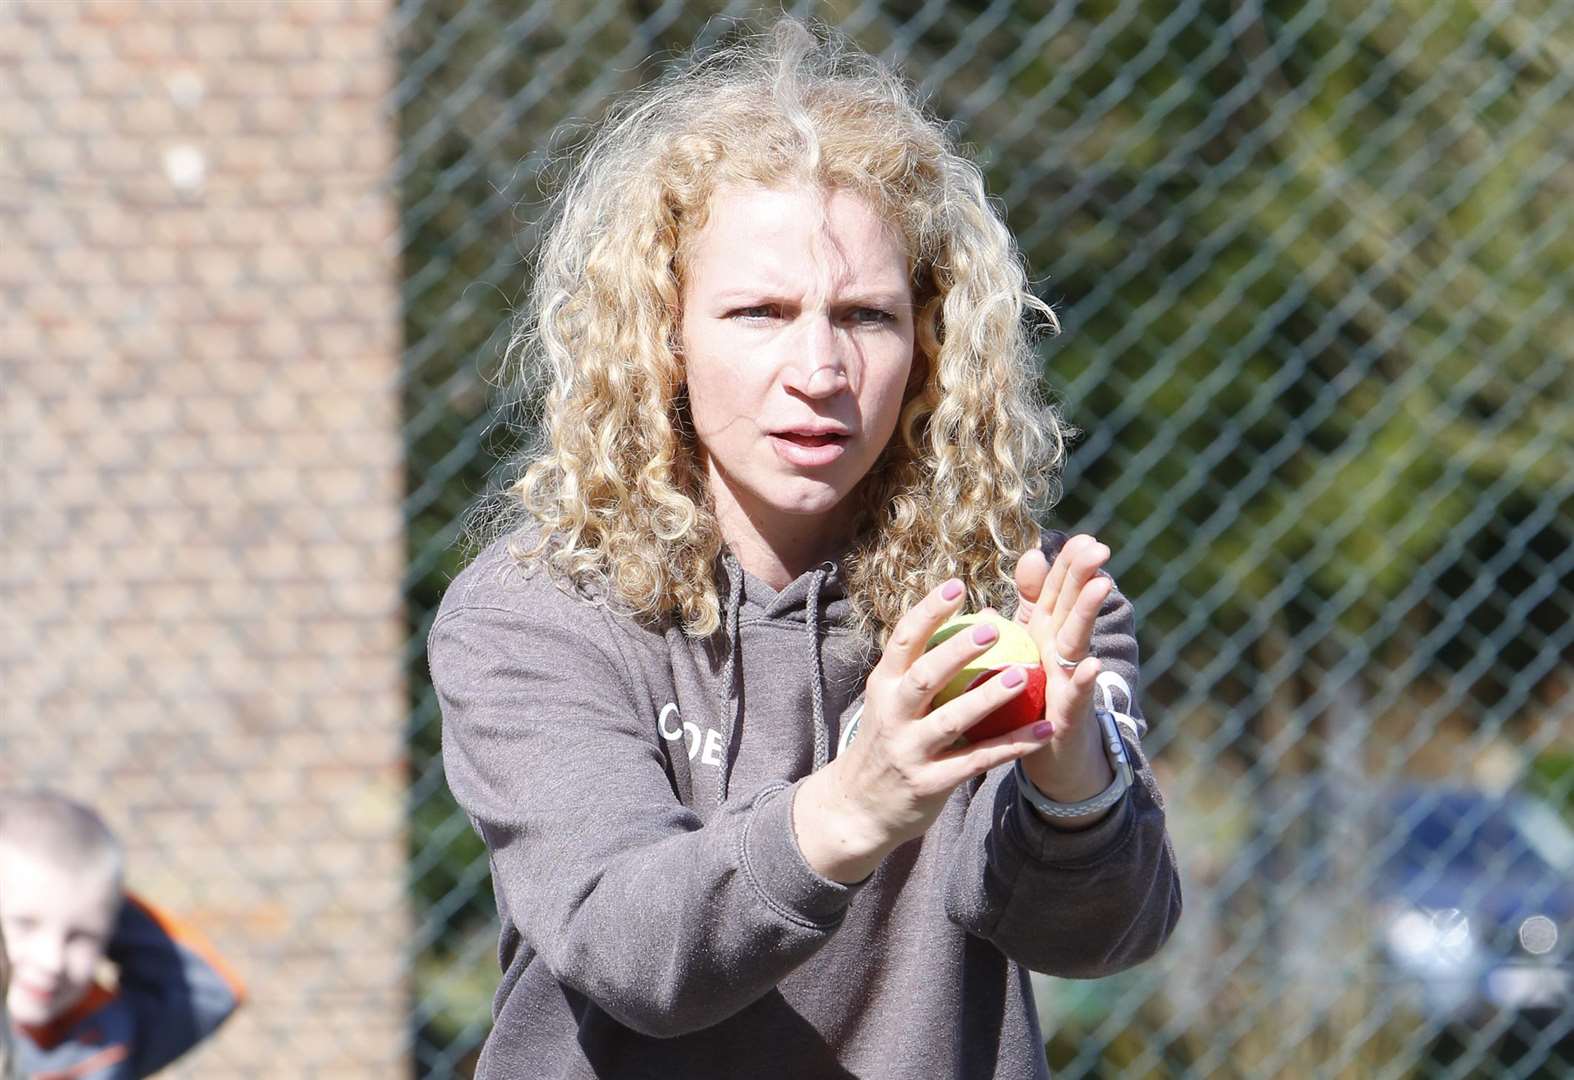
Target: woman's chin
{"x":811,"y":503}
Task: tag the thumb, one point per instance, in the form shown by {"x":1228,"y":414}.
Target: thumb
{"x":1032,"y":570}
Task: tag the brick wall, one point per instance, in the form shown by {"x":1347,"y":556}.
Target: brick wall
{"x":200,"y":533}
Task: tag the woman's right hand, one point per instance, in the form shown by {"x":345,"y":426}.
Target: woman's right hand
{"x":892,"y":781}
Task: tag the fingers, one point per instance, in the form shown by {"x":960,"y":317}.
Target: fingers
{"x":913,"y":630}
{"x":1067,"y":716}
{"x":1074,"y":590}
{"x":1072,"y":697}
{"x":1032,"y":570}
{"x":1059,"y":602}
{"x":1055,"y":580}
{"x":929,"y":674}
{"x":949,"y":722}
{"x":955,"y":766}
{"x":1074,"y":638}
{"x":1083,"y":557}
{"x":1052,"y":587}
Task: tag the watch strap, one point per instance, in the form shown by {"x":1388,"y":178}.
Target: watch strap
{"x":1120,"y":764}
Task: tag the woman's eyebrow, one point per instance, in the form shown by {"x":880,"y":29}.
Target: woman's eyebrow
{"x":755,"y":281}
{"x":749,"y":293}
{"x":886,"y":296}
{"x":876,"y":298}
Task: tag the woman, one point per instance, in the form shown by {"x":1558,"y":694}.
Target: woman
{"x":789,"y":431}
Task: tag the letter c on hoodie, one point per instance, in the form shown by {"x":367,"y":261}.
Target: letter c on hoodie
{"x":674,"y":733}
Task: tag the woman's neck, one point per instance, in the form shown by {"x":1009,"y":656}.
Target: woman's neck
{"x":780,"y":550}
{"x":772,"y":566}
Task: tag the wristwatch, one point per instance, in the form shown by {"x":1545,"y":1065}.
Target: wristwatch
{"x":1115,"y":749}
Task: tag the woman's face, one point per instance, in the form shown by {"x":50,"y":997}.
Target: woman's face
{"x":797,"y":341}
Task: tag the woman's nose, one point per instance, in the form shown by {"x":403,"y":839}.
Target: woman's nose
{"x":820,"y":368}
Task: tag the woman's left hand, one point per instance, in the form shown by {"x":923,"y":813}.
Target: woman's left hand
{"x":1059,"y":604}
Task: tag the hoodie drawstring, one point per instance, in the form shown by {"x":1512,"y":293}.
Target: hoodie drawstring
{"x":734,"y":672}
{"x":822,"y":734}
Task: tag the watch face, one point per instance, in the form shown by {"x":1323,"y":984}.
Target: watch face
{"x":1115,"y":747}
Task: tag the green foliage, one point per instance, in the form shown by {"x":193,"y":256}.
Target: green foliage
{"x":1552,"y":778}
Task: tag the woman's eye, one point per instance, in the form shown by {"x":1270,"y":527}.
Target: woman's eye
{"x":872,"y":317}
{"x":758,"y":311}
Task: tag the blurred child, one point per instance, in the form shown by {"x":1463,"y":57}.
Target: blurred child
{"x":63,"y":911}
{"x":7,"y":1049}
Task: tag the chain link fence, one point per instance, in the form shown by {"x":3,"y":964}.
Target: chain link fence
{"x":1313,"y":261}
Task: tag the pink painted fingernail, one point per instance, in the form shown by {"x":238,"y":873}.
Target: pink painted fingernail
{"x":951,"y":589}
{"x":983,"y":634}
{"x":1043,"y":729}
{"x":1013,"y":678}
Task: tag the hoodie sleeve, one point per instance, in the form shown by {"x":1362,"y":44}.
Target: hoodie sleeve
{"x":178,"y":989}
{"x":668,"y":926}
{"x":1077,"y":904}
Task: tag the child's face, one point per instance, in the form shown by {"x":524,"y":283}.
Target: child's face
{"x":57,"y":925}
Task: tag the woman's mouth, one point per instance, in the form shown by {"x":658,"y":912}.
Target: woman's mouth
{"x":808,"y":449}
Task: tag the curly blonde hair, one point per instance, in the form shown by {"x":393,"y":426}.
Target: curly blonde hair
{"x":617,"y":483}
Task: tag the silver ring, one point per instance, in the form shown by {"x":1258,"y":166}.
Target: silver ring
{"x":1069,"y":665}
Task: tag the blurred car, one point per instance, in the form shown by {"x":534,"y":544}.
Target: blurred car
{"x":1476,"y":895}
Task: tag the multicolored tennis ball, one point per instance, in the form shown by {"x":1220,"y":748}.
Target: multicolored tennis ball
{"x":1013,"y":647}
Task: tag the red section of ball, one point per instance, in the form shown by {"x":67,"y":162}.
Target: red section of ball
{"x":1024,"y":709}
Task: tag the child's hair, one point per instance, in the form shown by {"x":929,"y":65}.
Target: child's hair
{"x":70,"y":834}
{"x":617,"y":483}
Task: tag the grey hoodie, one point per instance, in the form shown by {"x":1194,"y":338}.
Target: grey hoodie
{"x":634,"y":789}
